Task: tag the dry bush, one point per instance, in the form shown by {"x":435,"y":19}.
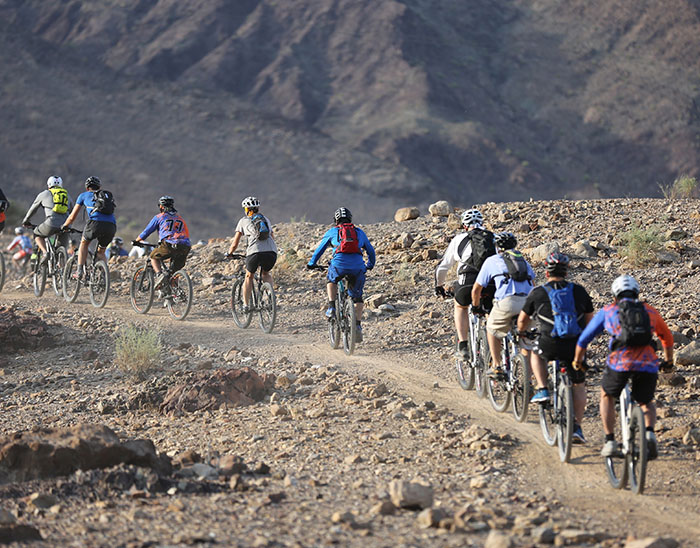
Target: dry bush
{"x":406,"y":278}
{"x":137,"y":350}
{"x":288,"y":266}
{"x":640,"y":245}
{"x":683,"y":187}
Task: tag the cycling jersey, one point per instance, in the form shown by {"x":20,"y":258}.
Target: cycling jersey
{"x":45,"y":199}
{"x":630,"y":358}
{"x":452,"y":256}
{"x":23,"y":241}
{"x":246,"y":227}
{"x":494,"y":268}
{"x":171,"y":228}
{"x":345,"y":261}
{"x":115,"y":251}
{"x":87,"y":199}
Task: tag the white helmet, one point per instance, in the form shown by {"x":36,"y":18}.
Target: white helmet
{"x":54,"y":181}
{"x":472,"y":217}
{"x":250,"y":202}
{"x":624,"y":283}
{"x":19,"y":230}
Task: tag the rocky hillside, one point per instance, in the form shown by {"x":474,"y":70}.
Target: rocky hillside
{"x":370,"y":103}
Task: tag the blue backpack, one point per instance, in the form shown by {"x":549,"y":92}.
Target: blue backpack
{"x":565,"y":324}
{"x":261,"y":227}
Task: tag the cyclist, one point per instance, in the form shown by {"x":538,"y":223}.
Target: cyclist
{"x":469,"y":250}
{"x":513,"y":275}
{"x":4,"y":206}
{"x":173,"y":240}
{"x":56,"y":202}
{"x":347,"y":241}
{"x":636,"y":361}
{"x":24,"y":245}
{"x":555,"y":342}
{"x":101,"y":225}
{"x":116,"y":249}
{"x":261,"y":249}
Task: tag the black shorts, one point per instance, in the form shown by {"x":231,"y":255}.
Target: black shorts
{"x":643,"y":384}
{"x":264,"y":259}
{"x":463,"y":293}
{"x":563,"y":350}
{"x":103,"y":231}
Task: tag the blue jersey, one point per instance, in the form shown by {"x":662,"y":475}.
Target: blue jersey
{"x":494,"y":268}
{"x":87,"y":200}
{"x":171,"y":228}
{"x":116,"y":251}
{"x":345,"y":261}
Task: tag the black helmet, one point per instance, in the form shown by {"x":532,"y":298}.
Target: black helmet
{"x":505,"y":240}
{"x":93,"y":182}
{"x":342,"y":213}
{"x":557,"y":263}
{"x":167,"y":202}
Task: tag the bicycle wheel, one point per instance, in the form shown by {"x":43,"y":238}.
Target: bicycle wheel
{"x":348,"y":326}
{"x":521,"y":389}
{"x":180,"y":300}
{"x":334,"y":331}
{"x":71,"y":285}
{"x":3,"y":271}
{"x":636,"y":458}
{"x":57,"y":276}
{"x":240,"y":318}
{"x":141,"y":290}
{"x":99,"y":284}
{"x":465,"y":371}
{"x":267,"y":303}
{"x":483,"y":359}
{"x":565,"y":421}
{"x":39,"y":277}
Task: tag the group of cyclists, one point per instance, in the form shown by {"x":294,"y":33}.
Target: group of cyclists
{"x":493,"y":279}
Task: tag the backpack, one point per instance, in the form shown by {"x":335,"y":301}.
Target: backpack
{"x":565,"y":321}
{"x":635,"y":325}
{"x":261,"y":226}
{"x":517,"y":266}
{"x":60,"y":200}
{"x":104,"y":201}
{"x":483,"y":246}
{"x":347,"y":235}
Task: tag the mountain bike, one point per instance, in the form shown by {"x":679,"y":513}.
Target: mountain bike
{"x":176,"y":295}
{"x":96,"y":278}
{"x":53,"y":266}
{"x":630,"y":461}
{"x":343,"y":324}
{"x":513,"y":383}
{"x":557,"y":415}
{"x":472,"y":373}
{"x":263,"y":301}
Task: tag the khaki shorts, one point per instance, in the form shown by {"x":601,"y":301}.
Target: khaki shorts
{"x":502,"y":314}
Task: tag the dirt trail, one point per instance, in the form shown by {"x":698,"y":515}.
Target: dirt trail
{"x":668,"y":508}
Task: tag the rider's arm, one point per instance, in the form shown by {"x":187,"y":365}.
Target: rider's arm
{"x":594,"y":327}
{"x":448,"y":259}
{"x":523,"y":321}
{"x":32,"y":209}
{"x":325,"y":242}
{"x":662,"y":331}
{"x":371,"y":254}
{"x":150,"y":229}
{"x":235,"y":242}
{"x":476,"y":294}
{"x":73,"y":215}
{"x":482,"y":280}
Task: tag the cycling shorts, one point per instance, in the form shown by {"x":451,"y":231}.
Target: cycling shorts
{"x":46,"y":229}
{"x":21,"y":254}
{"x":264,"y":259}
{"x":102,"y":231}
{"x":643,"y":384}
{"x":463,"y":292}
{"x":177,"y":253}
{"x":355,"y":289}
{"x":501,"y":317}
{"x":562,"y":350}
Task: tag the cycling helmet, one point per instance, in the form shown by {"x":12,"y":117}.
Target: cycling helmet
{"x":472,"y":217}
{"x":54,"y":181}
{"x":557,"y":263}
{"x":167,"y":202}
{"x":250,"y":202}
{"x":19,"y":230}
{"x":118,"y":241}
{"x":625,"y":283}
{"x":93,"y":182}
{"x":342,"y":213}
{"x":505,"y":240}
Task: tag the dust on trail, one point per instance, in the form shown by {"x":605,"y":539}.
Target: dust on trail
{"x":666,"y":508}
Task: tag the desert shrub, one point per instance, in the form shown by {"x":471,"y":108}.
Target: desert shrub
{"x":137,"y":350}
{"x":406,"y":278}
{"x":683,"y":187}
{"x":288,"y":266}
{"x":640,"y":245}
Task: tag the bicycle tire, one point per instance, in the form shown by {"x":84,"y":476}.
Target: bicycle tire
{"x":348,"y":326}
{"x":616,"y":466}
{"x":482,"y":362}
{"x":3,"y":271}
{"x":334,"y":331}
{"x":240,"y":318}
{"x":180,"y":300}
{"x":99,"y":284}
{"x":636,"y":459}
{"x":71,"y":286}
{"x":465,"y":371}
{"x":498,"y":394}
{"x":60,"y":258}
{"x":565,"y":421}
{"x":267,"y":303}
{"x":547,"y":412}
{"x":522,"y":389}
{"x":39,"y":277}
{"x":141,"y":291}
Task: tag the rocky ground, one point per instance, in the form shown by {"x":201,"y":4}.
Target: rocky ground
{"x":381,"y":448}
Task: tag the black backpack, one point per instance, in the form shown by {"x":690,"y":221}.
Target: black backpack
{"x":261,"y":226}
{"x":104,"y":201}
{"x":635,"y":325}
{"x":517,"y":266}
{"x":483,"y":246}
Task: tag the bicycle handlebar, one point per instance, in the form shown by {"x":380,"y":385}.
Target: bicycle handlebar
{"x":142,"y":244}
{"x":235,"y":256}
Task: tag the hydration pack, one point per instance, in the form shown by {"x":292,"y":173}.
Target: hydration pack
{"x":347,"y":235}
{"x":517,"y":266}
{"x":60,"y":200}
{"x":483,"y":246}
{"x":104,"y":201}
{"x":565,"y":322}
{"x":261,"y":226}
{"x":635,"y":325}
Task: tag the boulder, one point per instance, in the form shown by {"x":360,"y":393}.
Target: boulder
{"x":689,"y":355}
{"x":440,"y":209}
{"x":18,"y":533}
{"x":583,"y":248}
{"x":541,"y":252}
{"x":406,"y":494}
{"x":652,"y":542}
{"x":406,"y":214}
{"x":454,"y":222}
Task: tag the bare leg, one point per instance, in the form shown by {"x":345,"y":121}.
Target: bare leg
{"x":495,"y":345}
{"x":83,"y":252}
{"x":41,"y":243}
{"x":247,"y":287}
{"x":539,"y":369}
{"x":607,"y":412}
{"x":359,"y":307}
{"x":649,"y":410}
{"x":155,"y":263}
{"x":332,"y":290}
{"x":101,"y":253}
{"x":579,"y":394}
{"x":461,"y":314}
{"x":267,"y":276}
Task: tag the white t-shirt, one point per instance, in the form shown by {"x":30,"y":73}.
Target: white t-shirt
{"x":246,"y":227}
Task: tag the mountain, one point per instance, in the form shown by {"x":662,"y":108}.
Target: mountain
{"x":369,"y":103}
